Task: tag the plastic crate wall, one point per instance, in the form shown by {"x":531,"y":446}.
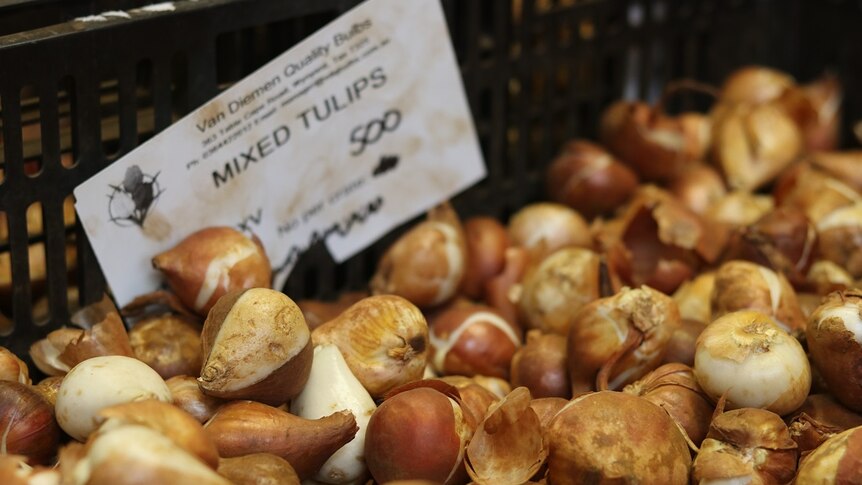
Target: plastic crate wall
{"x":76,"y":96}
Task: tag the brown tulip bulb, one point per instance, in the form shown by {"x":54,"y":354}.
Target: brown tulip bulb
{"x":735,"y":437}
{"x":834,"y":337}
{"x":487,"y":241}
{"x":473,"y":340}
{"x":836,"y":461}
{"x":544,"y":227}
{"x":427,"y":263}
{"x":741,"y":285}
{"x":616,"y":340}
{"x":540,"y":366}
{"x":784,"y":240}
{"x":588,"y":179}
{"x":501,"y":291}
{"x":258,"y":469}
{"x":187,"y":395}
{"x":419,"y":433}
{"x":612,"y":437}
{"x":840,"y":234}
{"x":27,"y":423}
{"x":674,"y":388}
{"x":555,"y":289}
{"x":170,"y":344}
{"x":212,"y":262}
{"x":384,"y":341}
{"x":661,"y":243}
{"x":657,"y":146}
{"x":241,"y":428}
{"x":255,"y":345}
{"x":698,"y":187}
{"x":683,"y":342}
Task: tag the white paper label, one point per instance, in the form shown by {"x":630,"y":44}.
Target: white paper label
{"x":356,"y":129}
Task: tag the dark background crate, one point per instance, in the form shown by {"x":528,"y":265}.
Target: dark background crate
{"x":76,"y":95}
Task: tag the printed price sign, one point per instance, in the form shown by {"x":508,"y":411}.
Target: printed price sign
{"x":356,"y":129}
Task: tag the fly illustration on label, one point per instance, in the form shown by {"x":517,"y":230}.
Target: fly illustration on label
{"x":130,"y":202}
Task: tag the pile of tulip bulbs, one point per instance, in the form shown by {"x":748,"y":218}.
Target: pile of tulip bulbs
{"x":684,"y":308}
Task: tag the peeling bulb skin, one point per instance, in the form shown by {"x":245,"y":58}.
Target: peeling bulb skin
{"x":746,"y":444}
{"x":748,"y":358}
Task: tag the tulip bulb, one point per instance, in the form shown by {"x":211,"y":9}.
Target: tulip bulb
{"x":256,"y":345}
{"x":619,"y":339}
{"x":748,"y":358}
{"x":419,"y":433}
{"x":211,"y":262}
{"x":473,"y":340}
{"x":384,"y":340}
{"x":590,"y":180}
{"x":834,"y":338}
{"x":332,"y":387}
{"x":553,"y":291}
{"x":134,"y":454}
{"x":835,"y":461}
{"x":244,"y":427}
{"x":840,"y":242}
{"x":258,"y":469}
{"x":187,"y":395}
{"x":601,"y":438}
{"x":171,"y":345}
{"x":544,"y":227}
{"x":426,"y":264}
{"x":741,"y":285}
{"x":97,"y":383}
{"x":27,"y":424}
{"x":540,"y":366}
{"x":487,"y":242}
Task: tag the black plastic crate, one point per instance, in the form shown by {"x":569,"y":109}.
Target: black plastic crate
{"x":77,"y":95}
